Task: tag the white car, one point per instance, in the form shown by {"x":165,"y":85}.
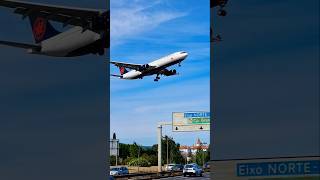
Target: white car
{"x":192,"y":169}
{"x":117,"y":171}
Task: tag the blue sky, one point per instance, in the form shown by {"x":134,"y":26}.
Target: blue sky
{"x":142,"y":31}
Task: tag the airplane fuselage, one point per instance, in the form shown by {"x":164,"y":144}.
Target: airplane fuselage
{"x":73,"y":42}
{"x":159,"y":64}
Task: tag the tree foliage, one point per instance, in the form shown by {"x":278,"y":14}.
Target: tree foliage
{"x":141,"y":161}
{"x":129,"y":153}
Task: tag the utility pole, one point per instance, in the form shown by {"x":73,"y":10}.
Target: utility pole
{"x":138,"y":158}
{"x":167,"y":151}
{"x":203,"y":153}
{"x":159,"y":148}
{"x":159,"y":130}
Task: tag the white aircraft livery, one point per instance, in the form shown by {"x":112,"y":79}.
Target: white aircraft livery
{"x":157,"y":67}
{"x":89,"y":34}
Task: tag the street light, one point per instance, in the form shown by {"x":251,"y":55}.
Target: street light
{"x":167,"y":151}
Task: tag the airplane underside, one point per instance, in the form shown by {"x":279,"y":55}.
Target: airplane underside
{"x":157,"y":71}
{"x":94,"y":48}
{"x":74,"y":42}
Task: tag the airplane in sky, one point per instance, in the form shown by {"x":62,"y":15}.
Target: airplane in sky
{"x":89,"y":34}
{"x":221,"y":4}
{"x":157,"y":67}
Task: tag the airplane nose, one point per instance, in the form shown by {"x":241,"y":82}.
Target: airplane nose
{"x":185,"y":55}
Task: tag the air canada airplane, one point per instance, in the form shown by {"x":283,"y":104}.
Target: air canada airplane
{"x":157,"y":67}
{"x":89,"y":34}
{"x":221,"y":4}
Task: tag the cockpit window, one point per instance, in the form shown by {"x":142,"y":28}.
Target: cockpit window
{"x":183,"y":52}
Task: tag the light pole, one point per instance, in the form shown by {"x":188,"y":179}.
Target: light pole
{"x":159,"y":130}
{"x":138,"y":157}
{"x":202,"y":153}
{"x":167,"y":151}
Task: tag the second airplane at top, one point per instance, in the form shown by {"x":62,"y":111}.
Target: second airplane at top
{"x":157,"y":67}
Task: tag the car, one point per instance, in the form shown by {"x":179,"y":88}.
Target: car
{"x":118,"y":171}
{"x":170,"y":167}
{"x":192,"y":169}
{"x":206,"y":165}
{"x":177,"y":167}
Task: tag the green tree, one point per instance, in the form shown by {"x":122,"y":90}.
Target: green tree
{"x":112,"y":160}
{"x":174,"y":155}
{"x":134,"y":150}
{"x":202,"y":156}
{"x":124,"y":150}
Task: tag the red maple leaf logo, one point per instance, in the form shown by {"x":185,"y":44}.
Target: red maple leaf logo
{"x":39,"y":28}
{"x":122,"y":70}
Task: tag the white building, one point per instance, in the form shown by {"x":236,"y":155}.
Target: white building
{"x":185,"y":150}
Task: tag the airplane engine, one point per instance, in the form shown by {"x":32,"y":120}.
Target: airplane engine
{"x":144,"y":67}
{"x":170,"y":73}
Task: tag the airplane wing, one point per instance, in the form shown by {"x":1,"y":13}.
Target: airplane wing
{"x":21,"y":45}
{"x":67,"y":15}
{"x":127,"y":65}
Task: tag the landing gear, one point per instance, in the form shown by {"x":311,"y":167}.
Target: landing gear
{"x":157,"y":78}
{"x":179,"y":64}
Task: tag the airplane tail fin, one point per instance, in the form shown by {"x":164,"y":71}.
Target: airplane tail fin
{"x":41,"y":28}
{"x":123,"y":70}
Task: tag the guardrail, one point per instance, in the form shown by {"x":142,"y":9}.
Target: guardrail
{"x":149,"y":175}
{"x":163,"y":174}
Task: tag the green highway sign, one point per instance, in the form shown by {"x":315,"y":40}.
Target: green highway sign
{"x":191,"y":121}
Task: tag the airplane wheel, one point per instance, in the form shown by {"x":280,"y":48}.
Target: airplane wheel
{"x":156,"y":80}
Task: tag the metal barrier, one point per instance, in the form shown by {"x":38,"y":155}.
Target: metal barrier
{"x":149,"y":175}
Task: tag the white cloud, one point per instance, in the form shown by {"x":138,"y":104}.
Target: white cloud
{"x":135,"y":19}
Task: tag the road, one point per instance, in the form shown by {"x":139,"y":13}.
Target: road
{"x":205,"y":176}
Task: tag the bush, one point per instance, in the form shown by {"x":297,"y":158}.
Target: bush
{"x":142,"y":162}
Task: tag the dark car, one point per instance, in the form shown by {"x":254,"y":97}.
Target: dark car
{"x":177,"y":167}
{"x":206,"y":165}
